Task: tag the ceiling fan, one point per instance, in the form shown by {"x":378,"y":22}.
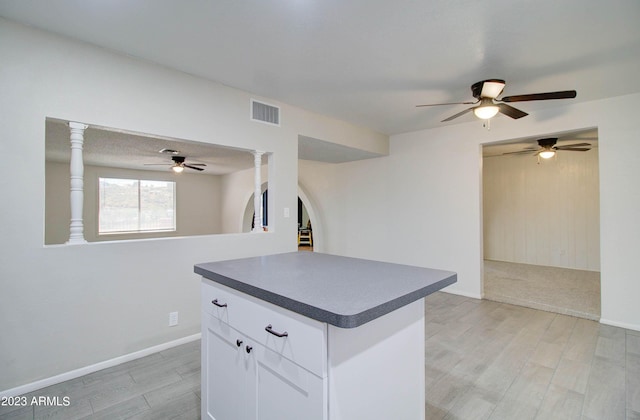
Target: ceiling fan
{"x":548,"y":148}
{"x":179,"y":164}
{"x":486,"y":92}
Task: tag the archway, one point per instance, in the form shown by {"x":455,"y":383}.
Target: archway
{"x":247,"y":218}
{"x":315,"y":221}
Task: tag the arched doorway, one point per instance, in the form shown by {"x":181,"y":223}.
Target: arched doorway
{"x":248,"y":217}
{"x":305,"y":228}
{"x":307,"y":215}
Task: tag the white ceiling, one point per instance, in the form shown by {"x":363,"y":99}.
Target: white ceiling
{"x":324,"y":151}
{"x":369,"y":61}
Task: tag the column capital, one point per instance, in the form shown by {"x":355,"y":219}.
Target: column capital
{"x":77,"y":126}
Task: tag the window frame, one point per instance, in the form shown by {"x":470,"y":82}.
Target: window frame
{"x":139,"y":182}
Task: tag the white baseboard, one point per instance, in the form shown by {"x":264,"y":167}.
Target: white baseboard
{"x":76,"y":373}
{"x":625,"y":325}
{"x":461,"y":293}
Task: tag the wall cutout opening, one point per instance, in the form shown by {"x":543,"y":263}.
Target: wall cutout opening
{"x":209,"y":182}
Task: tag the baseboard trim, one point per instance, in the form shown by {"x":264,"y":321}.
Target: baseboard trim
{"x":461,"y":293}
{"x":624,"y":325}
{"x":76,"y":373}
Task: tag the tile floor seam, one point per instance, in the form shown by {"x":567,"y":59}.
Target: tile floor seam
{"x":586,"y":391}
{"x":546,"y":391}
{"x":627,"y":408}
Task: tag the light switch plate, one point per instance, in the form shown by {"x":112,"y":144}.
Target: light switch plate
{"x":173,"y":319}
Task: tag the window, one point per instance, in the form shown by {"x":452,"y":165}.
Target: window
{"x":132,"y":205}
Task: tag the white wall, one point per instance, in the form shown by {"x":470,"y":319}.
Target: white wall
{"x":545,"y":213}
{"x":66,"y":307}
{"x":422,"y":204}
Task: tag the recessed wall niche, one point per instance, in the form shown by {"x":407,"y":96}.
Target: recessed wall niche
{"x":208,"y":201}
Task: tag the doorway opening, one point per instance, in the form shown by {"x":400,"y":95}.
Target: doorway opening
{"x":305,"y":228}
{"x":541,"y":224}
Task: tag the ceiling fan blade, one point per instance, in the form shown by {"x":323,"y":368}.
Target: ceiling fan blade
{"x":449,"y":103}
{"x":158,"y":164}
{"x":193,"y":167}
{"x":512,"y":112}
{"x":563,"y":94}
{"x":459,"y":114}
{"x":197,"y":164}
{"x":521,"y":152}
{"x":574,"y":149}
{"x":575,"y":145}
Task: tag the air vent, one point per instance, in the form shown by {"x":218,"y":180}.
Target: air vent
{"x":265,"y":113}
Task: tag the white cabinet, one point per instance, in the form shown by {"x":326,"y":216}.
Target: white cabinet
{"x":315,"y":372}
{"x":249,"y":373}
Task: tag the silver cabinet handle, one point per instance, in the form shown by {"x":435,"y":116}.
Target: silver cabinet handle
{"x":219,"y":305}
{"x":270,"y":330}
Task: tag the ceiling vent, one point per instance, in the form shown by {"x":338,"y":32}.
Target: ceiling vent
{"x":265,"y":113}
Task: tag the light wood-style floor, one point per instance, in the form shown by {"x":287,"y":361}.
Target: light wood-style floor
{"x":484,"y":360}
{"x":164,"y":385}
{"x":490,"y":360}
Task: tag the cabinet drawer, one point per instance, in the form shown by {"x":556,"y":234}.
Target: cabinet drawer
{"x":305,"y":340}
{"x":227,"y":305}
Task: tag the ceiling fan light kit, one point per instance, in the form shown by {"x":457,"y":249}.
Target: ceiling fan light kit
{"x":487,"y":109}
{"x":487,"y":91}
{"x":547,"y":154}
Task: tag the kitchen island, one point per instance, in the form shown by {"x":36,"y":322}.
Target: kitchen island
{"x":314,"y":336}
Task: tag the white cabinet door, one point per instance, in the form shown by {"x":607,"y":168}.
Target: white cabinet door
{"x":248,"y":374}
{"x":224,"y":371}
{"x":286,"y":391}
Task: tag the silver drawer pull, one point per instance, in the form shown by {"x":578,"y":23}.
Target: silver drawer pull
{"x":270,"y":330}
{"x":218,"y":304}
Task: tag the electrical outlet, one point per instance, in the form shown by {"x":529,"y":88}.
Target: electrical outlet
{"x":173,"y":319}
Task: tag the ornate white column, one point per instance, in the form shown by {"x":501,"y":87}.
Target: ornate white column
{"x":257,"y":194}
{"x":76,"y":231}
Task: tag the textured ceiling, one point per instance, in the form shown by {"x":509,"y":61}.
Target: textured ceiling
{"x":103,"y":147}
{"x":369,"y":61}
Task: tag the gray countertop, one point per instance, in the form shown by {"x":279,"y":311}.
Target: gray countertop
{"x":345,"y":292}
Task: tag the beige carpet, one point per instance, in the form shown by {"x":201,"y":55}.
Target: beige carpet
{"x":553,"y":289}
